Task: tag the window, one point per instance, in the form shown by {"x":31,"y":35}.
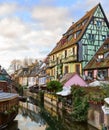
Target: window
{"x":106,"y":46}
{"x":90,"y":74}
{"x":78,"y":32}
{"x":73,"y":50}
{"x":100,"y":56}
{"x":70,"y":32}
{"x":84,"y":22}
{"x":99,"y":23}
{"x":103,"y":37}
{"x":53,"y":57}
{"x":63,"y":41}
{"x":74,"y":35}
{"x":66,"y":69}
{"x":65,"y":53}
{"x":102,"y":73}
{"x":78,"y":69}
{"x":78,"y":25}
{"x":91,"y":37}
{"x":70,"y":37}
{"x":92,"y":22}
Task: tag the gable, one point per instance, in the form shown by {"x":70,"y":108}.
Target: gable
{"x":75,"y":80}
{"x":96,"y":32}
{"x":99,"y":13}
{"x":74,"y":33}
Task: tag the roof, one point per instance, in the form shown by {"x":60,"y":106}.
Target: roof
{"x":98,"y":83}
{"x":80,"y":27}
{"x":96,"y":63}
{"x":23,"y":72}
{"x":7,"y":96}
{"x":106,"y":100}
{"x":68,"y":76}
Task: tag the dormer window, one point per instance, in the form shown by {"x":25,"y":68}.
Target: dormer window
{"x":70,"y":37}
{"x":70,"y":32}
{"x":100,"y":56}
{"x":84,"y":22}
{"x":74,"y":35}
{"x":78,"y":32}
{"x":106,"y":46}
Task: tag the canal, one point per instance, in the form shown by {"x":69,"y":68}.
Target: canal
{"x":33,"y":117}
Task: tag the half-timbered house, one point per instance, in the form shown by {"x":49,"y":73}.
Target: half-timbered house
{"x":79,"y":43}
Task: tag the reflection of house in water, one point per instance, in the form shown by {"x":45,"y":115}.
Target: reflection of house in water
{"x":95,"y":115}
{"x":30,"y":115}
{"x":50,"y":103}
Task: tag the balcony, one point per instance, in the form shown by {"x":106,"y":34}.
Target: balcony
{"x":52,"y":63}
{"x":69,"y":59}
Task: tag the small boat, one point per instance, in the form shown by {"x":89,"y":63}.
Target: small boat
{"x":8,"y":108}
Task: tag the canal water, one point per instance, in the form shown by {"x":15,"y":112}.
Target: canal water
{"x":33,"y":117}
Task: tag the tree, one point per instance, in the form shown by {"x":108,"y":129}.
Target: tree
{"x":14,"y":65}
{"x":54,"y":86}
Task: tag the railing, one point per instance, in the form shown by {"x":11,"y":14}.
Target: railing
{"x":69,"y":59}
{"x":52,"y":63}
{"x":8,"y":105}
{"x":8,"y":111}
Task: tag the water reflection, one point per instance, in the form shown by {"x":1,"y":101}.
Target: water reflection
{"x":28,"y":120}
{"x":33,"y":117}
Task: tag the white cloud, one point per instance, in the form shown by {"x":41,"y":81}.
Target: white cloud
{"x":6,"y":9}
{"x":36,"y":38}
{"x":51,"y":17}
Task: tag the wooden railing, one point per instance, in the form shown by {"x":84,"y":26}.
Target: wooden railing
{"x":8,"y":105}
{"x":69,"y":59}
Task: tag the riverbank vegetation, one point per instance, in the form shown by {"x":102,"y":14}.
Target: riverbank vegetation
{"x":82,"y":97}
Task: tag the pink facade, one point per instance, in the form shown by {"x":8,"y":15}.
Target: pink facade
{"x":95,"y":74}
{"x":75,"y":79}
{"x":86,"y":72}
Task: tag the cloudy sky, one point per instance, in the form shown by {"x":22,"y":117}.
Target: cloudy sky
{"x":31,"y":28}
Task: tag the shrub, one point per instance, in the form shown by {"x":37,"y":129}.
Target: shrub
{"x":54,"y":86}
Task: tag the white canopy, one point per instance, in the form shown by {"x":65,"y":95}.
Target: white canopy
{"x":98,"y":83}
{"x":65,"y":92}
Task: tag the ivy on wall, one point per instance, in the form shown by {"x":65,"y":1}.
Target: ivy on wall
{"x":79,"y":104}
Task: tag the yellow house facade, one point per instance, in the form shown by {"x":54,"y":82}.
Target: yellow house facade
{"x":64,"y":62}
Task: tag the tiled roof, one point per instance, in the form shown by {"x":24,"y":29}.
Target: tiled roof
{"x":67,"y":77}
{"x":103,"y":62}
{"x":7,"y":96}
{"x":78,"y":26}
{"x":24,"y":72}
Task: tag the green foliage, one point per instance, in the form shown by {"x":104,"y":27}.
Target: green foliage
{"x":105,"y":89}
{"x":20,"y":90}
{"x":54,"y":86}
{"x":80,"y":104}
